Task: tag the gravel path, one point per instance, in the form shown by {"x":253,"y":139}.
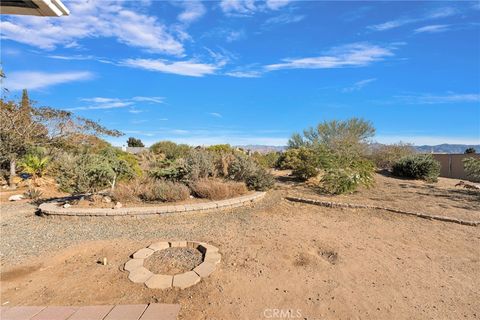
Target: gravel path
{"x":24,"y":234}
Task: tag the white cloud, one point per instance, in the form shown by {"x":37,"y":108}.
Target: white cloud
{"x":185,"y":68}
{"x":244,"y":74}
{"x":238,"y":6}
{"x":440,"y":99}
{"x":359,"y":85}
{"x":249,"y":7}
{"x":276,"y":4}
{"x":92,"y":19}
{"x":284,"y":19}
{"x":215,"y":114}
{"x":433,"y":28}
{"x":234,"y":35}
{"x":40,"y":80}
{"x":438,"y":13}
{"x":114,"y":103}
{"x":193,"y":10}
{"x":351,"y":55}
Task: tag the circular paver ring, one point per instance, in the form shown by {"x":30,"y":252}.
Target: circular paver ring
{"x":139,"y":274}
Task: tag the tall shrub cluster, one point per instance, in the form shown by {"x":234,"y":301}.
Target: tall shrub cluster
{"x":337,"y":150}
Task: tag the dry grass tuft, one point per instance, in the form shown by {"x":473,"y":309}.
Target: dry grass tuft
{"x":215,"y":189}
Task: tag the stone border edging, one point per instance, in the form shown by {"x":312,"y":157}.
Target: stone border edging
{"x":54,"y":208}
{"x":365,"y":206}
{"x":139,"y":274}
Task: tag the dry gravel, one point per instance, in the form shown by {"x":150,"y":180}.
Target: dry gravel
{"x":173,"y":260}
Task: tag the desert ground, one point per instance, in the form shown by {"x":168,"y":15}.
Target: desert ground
{"x":317,"y":262}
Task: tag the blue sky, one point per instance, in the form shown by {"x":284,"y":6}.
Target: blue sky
{"x":245,"y":72}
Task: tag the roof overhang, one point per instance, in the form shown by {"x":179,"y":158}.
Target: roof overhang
{"x":45,"y":8}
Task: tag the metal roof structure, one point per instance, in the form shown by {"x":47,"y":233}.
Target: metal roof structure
{"x":45,"y":8}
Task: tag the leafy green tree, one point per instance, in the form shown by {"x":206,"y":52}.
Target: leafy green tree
{"x":133,"y":142}
{"x":470,"y":151}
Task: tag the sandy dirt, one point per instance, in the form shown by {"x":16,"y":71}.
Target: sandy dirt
{"x":280,"y":257}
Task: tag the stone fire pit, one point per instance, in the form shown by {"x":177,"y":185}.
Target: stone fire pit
{"x":138,"y":273}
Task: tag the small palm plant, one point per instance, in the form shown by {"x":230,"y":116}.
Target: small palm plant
{"x":34,"y":165}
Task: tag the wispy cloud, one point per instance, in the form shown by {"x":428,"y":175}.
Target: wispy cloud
{"x":440,"y":99}
{"x":98,"y":103}
{"x":35,"y":80}
{"x":359,"y":85}
{"x":244,"y":74}
{"x":235,"y":35}
{"x":283,"y":19}
{"x":184,"y":68}
{"x":215,"y":114}
{"x":193,"y":11}
{"x":351,"y":55}
{"x":434,"y":28}
{"x":438,"y":13}
{"x":249,"y":7}
{"x":92,"y":19}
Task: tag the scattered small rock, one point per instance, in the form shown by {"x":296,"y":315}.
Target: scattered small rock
{"x":67,"y":205}
{"x":118,"y":205}
{"x":16,"y":197}
{"x":107,"y":199}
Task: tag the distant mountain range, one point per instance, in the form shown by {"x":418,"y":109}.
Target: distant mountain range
{"x":440,"y":148}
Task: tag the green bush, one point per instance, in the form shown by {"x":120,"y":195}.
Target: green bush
{"x":243,"y":168}
{"x":307,"y":164}
{"x":472,"y":168}
{"x":260,"y":180}
{"x":419,"y":166}
{"x":171,"y":150}
{"x":220,"y":148}
{"x":288,"y":159}
{"x":267,"y":160}
{"x":90,"y":172}
{"x":199,"y":164}
{"x":345,"y":179}
{"x":173,"y":170}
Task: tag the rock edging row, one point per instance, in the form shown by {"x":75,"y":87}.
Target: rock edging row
{"x":54,"y":208}
{"x":330,"y":204}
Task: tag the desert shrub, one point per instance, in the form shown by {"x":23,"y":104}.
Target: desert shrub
{"x":163,"y":190}
{"x":130,"y":191}
{"x":385,"y":156}
{"x":33,"y":194}
{"x":266,"y":160}
{"x":472,"y":168}
{"x":199,"y":164}
{"x":173,"y":170}
{"x":90,"y":172}
{"x":171,"y":150}
{"x":241,"y":167}
{"x":307,"y":164}
{"x":260,"y":180}
{"x":288,"y":159}
{"x":131,"y":160}
{"x":347,"y":178}
{"x":419,"y":166}
{"x":220,"y":148}
{"x":215,"y":189}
